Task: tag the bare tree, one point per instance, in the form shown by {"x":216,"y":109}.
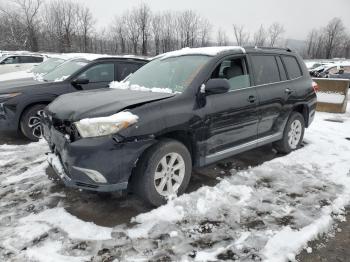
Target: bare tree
{"x":132,"y":29}
{"x":334,"y":34}
{"x":143,"y":20}
{"x":188,"y":28}
{"x":85,"y":26}
{"x":168,"y":40}
{"x":221,"y":38}
{"x":260,"y":36}
{"x":242,"y":37}
{"x":156,"y":28}
{"x":204,"y":32}
{"x":275,"y":31}
{"x":27,"y":17}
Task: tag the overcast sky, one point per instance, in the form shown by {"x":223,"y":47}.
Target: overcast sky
{"x":297,"y":16}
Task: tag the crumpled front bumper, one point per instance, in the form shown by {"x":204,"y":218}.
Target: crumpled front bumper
{"x":98,"y":164}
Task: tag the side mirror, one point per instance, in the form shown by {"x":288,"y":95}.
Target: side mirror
{"x":216,"y":86}
{"x":80,"y":81}
{"x":341,"y":71}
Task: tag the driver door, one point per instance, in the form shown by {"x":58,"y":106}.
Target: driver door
{"x":98,"y":76}
{"x":232,"y":116}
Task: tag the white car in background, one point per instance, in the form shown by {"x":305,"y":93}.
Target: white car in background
{"x":36,"y":71}
{"x":19,"y":62}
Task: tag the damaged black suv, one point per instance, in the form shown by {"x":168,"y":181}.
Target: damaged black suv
{"x":183,"y":110}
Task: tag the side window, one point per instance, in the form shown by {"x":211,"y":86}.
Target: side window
{"x":99,"y":73}
{"x":292,"y":67}
{"x":234,"y":70}
{"x":125,"y":69}
{"x":27,"y":59}
{"x":11,"y":60}
{"x":265,"y":69}
{"x":283,"y":74}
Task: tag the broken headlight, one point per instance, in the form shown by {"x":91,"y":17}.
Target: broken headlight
{"x":102,"y":126}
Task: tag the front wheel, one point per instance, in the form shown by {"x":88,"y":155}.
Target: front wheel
{"x":31,"y":123}
{"x":293,"y":134}
{"x":164,"y":170}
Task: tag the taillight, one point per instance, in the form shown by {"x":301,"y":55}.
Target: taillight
{"x":315,"y":86}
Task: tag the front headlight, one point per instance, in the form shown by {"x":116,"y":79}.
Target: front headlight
{"x":102,"y":126}
{"x":10,"y":95}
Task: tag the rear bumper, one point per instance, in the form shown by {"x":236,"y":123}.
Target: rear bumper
{"x":98,"y":164}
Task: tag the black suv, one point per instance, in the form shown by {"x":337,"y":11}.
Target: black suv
{"x":22,"y":101}
{"x":183,"y":110}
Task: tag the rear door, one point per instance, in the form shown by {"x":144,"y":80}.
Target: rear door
{"x":275,"y":93}
{"x":232,"y":116}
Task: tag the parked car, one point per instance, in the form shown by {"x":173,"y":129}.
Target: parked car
{"x":36,"y":71}
{"x":325,"y":71}
{"x":13,"y":63}
{"x":343,"y":72}
{"x":200,"y":106}
{"x":21,"y":102}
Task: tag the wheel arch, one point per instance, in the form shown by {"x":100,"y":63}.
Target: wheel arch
{"x":303,"y":109}
{"x":29,"y":105}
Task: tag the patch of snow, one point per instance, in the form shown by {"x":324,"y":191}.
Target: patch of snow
{"x":124,"y":116}
{"x":330,"y":98}
{"x":62,"y":78}
{"x":127,"y":86}
{"x":50,"y":252}
{"x":173,"y":234}
{"x":209,"y":51}
{"x":74,"y":227}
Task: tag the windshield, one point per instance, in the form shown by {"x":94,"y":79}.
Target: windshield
{"x":47,"y":66}
{"x":65,"y":70}
{"x":175,"y":73}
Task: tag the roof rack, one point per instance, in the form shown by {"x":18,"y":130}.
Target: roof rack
{"x":272,"y":48}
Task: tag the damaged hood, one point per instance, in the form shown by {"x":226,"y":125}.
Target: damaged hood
{"x":98,"y":103}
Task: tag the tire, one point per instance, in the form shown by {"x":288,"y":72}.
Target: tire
{"x":144,"y":182}
{"x":30,"y":123}
{"x":293,"y":134}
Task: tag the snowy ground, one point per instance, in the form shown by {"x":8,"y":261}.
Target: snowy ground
{"x":266,"y":212}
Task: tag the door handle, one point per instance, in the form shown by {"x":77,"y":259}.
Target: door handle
{"x":251,"y":99}
{"x":289,"y":91}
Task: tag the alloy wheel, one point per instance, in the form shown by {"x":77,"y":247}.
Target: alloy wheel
{"x":294,"y":134}
{"x":34,"y":123}
{"x":169,"y":174}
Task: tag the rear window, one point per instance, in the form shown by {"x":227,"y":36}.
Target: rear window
{"x":265,"y":69}
{"x":292,"y":66}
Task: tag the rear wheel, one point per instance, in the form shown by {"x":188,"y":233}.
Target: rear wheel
{"x":293,"y":134}
{"x":30,"y":122}
{"x":164,"y":170}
